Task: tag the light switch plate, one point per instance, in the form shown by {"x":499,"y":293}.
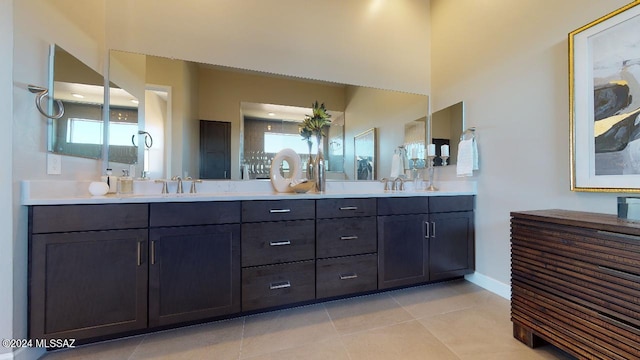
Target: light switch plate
{"x":54,"y":164}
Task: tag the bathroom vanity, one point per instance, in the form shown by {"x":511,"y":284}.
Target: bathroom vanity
{"x":114,"y":266}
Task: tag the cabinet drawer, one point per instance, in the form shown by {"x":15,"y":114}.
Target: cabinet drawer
{"x":274,"y":285}
{"x":403,"y":205}
{"x":339,"y":208}
{"x":194,"y":213}
{"x":278,"y":210}
{"x":66,"y":218}
{"x":450,"y":203}
{"x":277,"y":242}
{"x":349,"y":236}
{"x":346,"y":275}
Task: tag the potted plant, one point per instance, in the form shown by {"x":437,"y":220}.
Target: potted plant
{"x":314,"y":125}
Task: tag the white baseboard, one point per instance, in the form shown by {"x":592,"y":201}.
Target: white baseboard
{"x":23,"y":354}
{"x":491,"y":284}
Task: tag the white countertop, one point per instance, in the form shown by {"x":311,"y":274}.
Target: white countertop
{"x":61,"y":192}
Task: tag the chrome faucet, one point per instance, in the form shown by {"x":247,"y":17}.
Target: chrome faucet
{"x":179,"y":179}
{"x":193,"y":189}
{"x":395,"y":184}
{"x":386,"y":182}
{"x":165,"y":188}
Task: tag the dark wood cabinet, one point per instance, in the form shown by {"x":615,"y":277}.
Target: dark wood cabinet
{"x":278,"y":253}
{"x":451,"y":245}
{"x":86,"y":284}
{"x":424,"y":239}
{"x":574,"y":282}
{"x":105,"y":270}
{"x":346,"y":247}
{"x":346,"y":275}
{"x":403,"y":250}
{"x":278,"y":284}
{"x":194,"y":273}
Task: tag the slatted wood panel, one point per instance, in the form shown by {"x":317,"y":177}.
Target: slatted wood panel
{"x":576,"y":282}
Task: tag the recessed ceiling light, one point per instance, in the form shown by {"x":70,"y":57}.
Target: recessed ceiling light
{"x":135,"y":101}
{"x":77,"y":96}
{"x":271,"y":114}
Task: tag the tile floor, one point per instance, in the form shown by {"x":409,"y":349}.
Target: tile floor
{"x":454,"y":320}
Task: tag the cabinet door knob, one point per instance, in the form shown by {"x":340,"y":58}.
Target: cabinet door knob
{"x":279,"y":285}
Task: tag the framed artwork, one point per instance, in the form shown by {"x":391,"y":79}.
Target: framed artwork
{"x":604,"y":86}
{"x":365,"y":155}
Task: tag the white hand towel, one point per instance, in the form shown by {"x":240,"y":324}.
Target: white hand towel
{"x":475,"y":154}
{"x":465,"y":163}
{"x":395,"y":166}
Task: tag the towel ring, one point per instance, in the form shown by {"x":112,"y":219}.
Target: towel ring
{"x":148,"y":139}
{"x":468,"y":134}
{"x":42,"y":93}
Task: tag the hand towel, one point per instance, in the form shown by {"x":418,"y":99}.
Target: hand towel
{"x":395,"y":166}
{"x":466,"y":158}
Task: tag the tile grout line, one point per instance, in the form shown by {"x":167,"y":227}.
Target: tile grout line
{"x":340,"y":337}
{"x":244,"y":322}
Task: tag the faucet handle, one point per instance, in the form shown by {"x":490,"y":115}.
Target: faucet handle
{"x":165,"y":188}
{"x":193,"y":186}
{"x":385,"y":181}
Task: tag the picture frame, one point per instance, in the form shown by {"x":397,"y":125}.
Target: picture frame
{"x":604,"y":103}
{"x":365,"y":149}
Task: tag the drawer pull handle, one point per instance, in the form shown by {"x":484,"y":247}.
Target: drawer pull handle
{"x":351,"y":237}
{"x":620,"y":273}
{"x":279,"y":211}
{"x":349,"y":208}
{"x":427,"y":229}
{"x":279,"y":285}
{"x":280,"y":243}
{"x":348,"y":276}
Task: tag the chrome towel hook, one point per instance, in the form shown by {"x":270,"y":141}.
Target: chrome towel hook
{"x":42,"y":93}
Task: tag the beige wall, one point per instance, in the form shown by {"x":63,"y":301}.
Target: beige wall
{"x":507,"y":60}
{"x":383,"y":44}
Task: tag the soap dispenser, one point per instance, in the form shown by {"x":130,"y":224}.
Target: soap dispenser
{"x":111,"y":180}
{"x":126,"y":183}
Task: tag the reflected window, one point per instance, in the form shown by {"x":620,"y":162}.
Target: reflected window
{"x":274,"y":142}
{"x":88,"y":131}
{"x":84,"y":131}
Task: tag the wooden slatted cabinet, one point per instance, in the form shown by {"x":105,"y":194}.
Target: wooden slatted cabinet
{"x":575,"y":281}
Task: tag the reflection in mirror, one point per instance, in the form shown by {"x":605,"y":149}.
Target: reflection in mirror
{"x":270,"y":128}
{"x":79,"y":132}
{"x":415,"y":133}
{"x":446,"y":127}
{"x":124,"y":118}
{"x":210,"y":93}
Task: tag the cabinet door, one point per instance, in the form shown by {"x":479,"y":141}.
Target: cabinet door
{"x":88,"y":284}
{"x":403,"y":250}
{"x":451,"y":245}
{"x":194,"y":273}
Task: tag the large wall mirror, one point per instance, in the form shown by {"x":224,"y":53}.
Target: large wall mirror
{"x":447,"y":125}
{"x":179,"y":99}
{"x":80,"y":131}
